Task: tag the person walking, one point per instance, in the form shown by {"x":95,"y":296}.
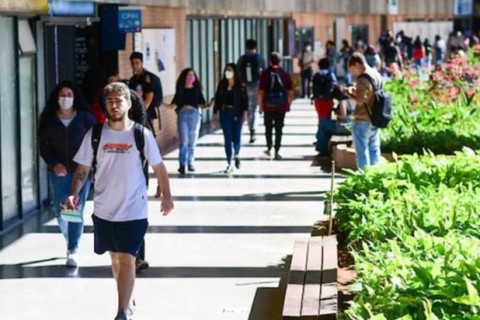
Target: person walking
{"x":345,"y":53}
{"x":63,"y":124}
{"x":275,"y":96}
{"x":188,"y":102}
{"x":323,"y":84}
{"x":366,"y":137}
{"x":148,"y":86}
{"x":250,"y":66}
{"x":305,"y":62}
{"x":120,"y":216}
{"x":231,"y":102}
{"x":418,"y":52}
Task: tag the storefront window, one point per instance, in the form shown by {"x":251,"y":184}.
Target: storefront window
{"x":8,"y":120}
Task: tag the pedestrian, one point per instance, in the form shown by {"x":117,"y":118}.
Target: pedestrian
{"x":63,"y":124}
{"x":428,"y":54}
{"x":366,"y":137}
{"x":440,"y":48}
{"x":332,"y":55}
{"x":305,"y":62}
{"x":345,"y":52}
{"x":148,"y":86}
{"x":188,"y":102}
{"x":418,"y":52}
{"x":275,"y":96}
{"x":231,"y":102}
{"x":323,"y":83}
{"x":373,"y":58}
{"x":250,"y":66}
{"x":120,"y":201}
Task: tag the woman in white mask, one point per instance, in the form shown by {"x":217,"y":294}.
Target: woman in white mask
{"x":231,"y":102}
{"x":63,"y":124}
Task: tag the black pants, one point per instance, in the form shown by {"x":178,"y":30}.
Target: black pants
{"x":306,"y":79}
{"x":271,"y":120}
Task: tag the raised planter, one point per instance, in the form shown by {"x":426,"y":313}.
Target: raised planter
{"x":344,"y":157}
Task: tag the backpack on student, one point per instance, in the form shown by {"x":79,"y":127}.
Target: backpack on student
{"x":391,"y":55}
{"x":138,"y":131}
{"x":250,"y":68}
{"x":323,"y":86}
{"x":157,"y":95}
{"x":381,"y":111}
{"x":275,"y":95}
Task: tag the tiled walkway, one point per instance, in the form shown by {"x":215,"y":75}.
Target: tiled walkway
{"x":220,"y":255}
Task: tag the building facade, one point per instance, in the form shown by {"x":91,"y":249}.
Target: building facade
{"x":46,"y":41}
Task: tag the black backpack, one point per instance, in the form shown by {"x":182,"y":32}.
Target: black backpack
{"x":322,"y":86}
{"x":250,"y":68}
{"x":275,"y":95}
{"x":157,"y":95}
{"x":391,"y":55}
{"x":381,"y":113}
{"x":138,"y":132}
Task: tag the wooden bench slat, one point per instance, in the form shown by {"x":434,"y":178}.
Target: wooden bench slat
{"x":313,"y":277}
{"x":292,"y":306}
{"x":329,"y":288}
{"x":329,"y":301}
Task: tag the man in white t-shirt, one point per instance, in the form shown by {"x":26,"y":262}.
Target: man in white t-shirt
{"x":120,"y":198}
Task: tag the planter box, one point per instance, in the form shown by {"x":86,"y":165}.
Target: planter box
{"x":345,"y":157}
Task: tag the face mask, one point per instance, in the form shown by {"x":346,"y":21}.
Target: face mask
{"x":190,"y":79}
{"x":65,"y":103}
{"x":229,"y":74}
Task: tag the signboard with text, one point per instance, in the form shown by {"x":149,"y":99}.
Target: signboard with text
{"x":463,"y":7}
{"x":129,"y":19}
{"x":38,"y":6}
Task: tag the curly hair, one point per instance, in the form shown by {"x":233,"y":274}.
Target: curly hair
{"x":183,"y":77}
{"x":51,"y":108}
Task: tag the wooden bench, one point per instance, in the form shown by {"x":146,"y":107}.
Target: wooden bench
{"x":312,"y":282}
{"x":335,"y":140}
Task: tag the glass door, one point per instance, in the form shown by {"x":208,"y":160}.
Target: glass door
{"x":28,"y":127}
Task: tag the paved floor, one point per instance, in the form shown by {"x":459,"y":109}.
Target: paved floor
{"x":222,"y":254}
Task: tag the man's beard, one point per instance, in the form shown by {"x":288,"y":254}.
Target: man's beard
{"x":119,"y":118}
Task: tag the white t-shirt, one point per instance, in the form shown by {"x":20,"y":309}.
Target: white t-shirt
{"x":120,"y":188}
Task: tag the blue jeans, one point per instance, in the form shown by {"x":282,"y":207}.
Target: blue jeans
{"x":232,"y":132}
{"x":188,"y":129}
{"x":252,"y":91}
{"x":60,"y":186}
{"x":326,"y":129}
{"x":366,"y":139}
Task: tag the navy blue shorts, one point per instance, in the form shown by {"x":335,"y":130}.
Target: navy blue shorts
{"x":124,"y":236}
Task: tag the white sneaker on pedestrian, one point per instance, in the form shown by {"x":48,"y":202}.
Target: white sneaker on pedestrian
{"x":229,"y":169}
{"x":72,"y":259}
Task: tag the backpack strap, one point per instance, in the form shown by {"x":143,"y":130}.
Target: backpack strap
{"x":375,"y":89}
{"x":138,"y":131}
{"x":96,"y":135}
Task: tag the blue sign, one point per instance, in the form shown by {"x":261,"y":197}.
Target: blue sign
{"x":72,"y":8}
{"x":129,"y":20}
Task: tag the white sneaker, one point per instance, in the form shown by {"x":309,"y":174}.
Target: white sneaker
{"x":229,"y":169}
{"x":72,"y":259}
{"x":128,"y":313}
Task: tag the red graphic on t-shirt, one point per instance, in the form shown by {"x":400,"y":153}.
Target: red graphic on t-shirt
{"x":116,"y":147}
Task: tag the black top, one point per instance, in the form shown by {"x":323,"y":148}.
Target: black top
{"x":59,"y":144}
{"x":229,"y":100}
{"x":188,"y":97}
{"x":238,"y":96}
{"x":141,"y":84}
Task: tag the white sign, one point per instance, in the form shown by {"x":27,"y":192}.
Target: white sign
{"x":158,"y":48}
{"x":463,"y":7}
{"x":393,"y":6}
